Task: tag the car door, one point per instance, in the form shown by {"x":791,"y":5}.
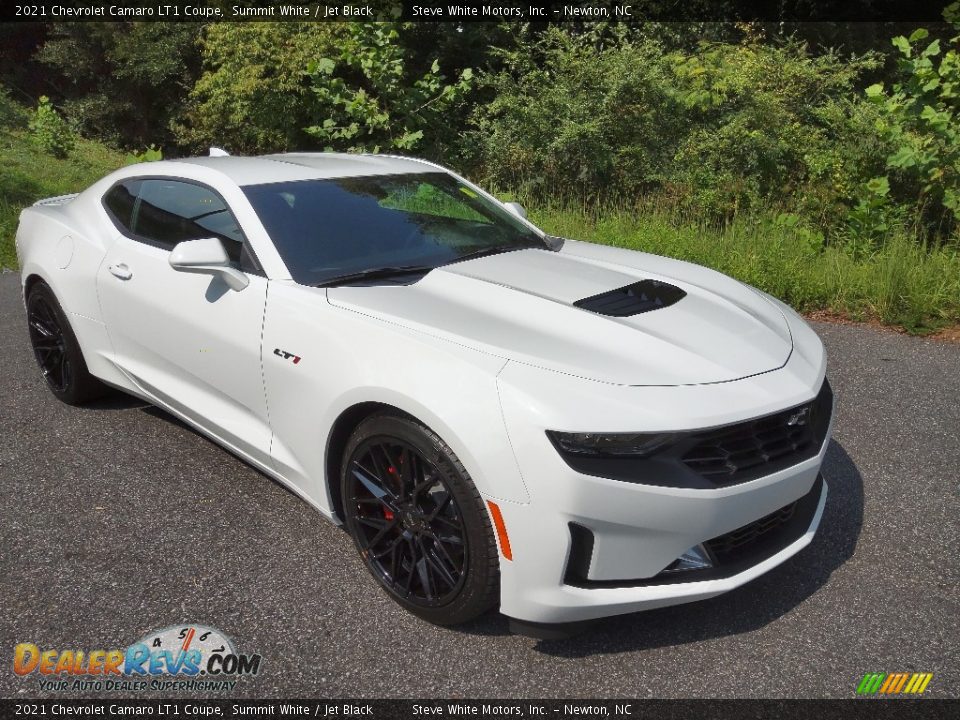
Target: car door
{"x":186,"y":340}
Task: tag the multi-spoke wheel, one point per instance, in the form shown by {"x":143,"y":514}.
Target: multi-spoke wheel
{"x":418,"y":520}
{"x":56,"y":348}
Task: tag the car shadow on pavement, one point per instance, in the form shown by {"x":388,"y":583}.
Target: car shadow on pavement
{"x":745,"y":609}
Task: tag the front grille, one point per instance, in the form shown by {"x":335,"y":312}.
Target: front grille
{"x":748,"y":450}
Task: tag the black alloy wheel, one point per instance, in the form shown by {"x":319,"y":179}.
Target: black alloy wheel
{"x":56,"y":349}
{"x":418,"y":521}
{"x":49,"y":343}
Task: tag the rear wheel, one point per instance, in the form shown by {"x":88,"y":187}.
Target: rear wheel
{"x":418,"y":520}
{"x":56,"y":349}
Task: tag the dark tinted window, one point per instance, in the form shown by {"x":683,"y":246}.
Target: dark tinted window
{"x":327,"y":228}
{"x":165,"y":212}
{"x":170,"y":211}
{"x":120,"y":201}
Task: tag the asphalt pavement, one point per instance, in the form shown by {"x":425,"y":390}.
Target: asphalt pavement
{"x":116,"y":520}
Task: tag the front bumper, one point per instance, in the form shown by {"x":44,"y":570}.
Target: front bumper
{"x":596,"y":601}
{"x":637,"y":530}
{"x":538,"y":587}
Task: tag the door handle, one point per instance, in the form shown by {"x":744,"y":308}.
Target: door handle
{"x":121,"y":271}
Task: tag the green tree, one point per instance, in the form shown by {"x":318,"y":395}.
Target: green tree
{"x":122,"y":82}
{"x":772,"y":122}
{"x":577,"y":118}
{"x":921,"y":120}
{"x":371,"y":100}
{"x":722,"y":129}
{"x":253,"y":95}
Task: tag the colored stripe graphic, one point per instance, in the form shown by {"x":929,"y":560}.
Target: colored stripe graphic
{"x":894,"y":683}
{"x":927,"y":677}
{"x":870,"y":683}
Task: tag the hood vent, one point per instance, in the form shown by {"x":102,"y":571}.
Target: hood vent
{"x":640,"y":297}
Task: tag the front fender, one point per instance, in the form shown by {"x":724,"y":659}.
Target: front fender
{"x":347,"y":358}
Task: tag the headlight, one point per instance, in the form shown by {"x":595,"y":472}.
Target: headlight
{"x":609,"y":444}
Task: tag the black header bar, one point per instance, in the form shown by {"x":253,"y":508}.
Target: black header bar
{"x":854,"y":709}
{"x":578,"y":11}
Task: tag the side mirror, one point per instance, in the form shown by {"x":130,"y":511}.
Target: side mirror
{"x":207,"y":256}
{"x":516,"y":209}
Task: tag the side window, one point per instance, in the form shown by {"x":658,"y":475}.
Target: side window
{"x":171,"y":211}
{"x":121,"y":200}
{"x":164,"y":212}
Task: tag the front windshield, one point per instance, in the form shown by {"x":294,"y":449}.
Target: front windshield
{"x":325,"y":229}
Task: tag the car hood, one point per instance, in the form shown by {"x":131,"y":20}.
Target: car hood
{"x":520,"y":305}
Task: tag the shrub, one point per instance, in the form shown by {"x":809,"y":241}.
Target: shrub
{"x":50,"y":131}
{"x":772,"y":123}
{"x":572,"y":122}
{"x":921,"y":120}
{"x":121,"y":81}
{"x":724,"y":128}
{"x":253,"y":95}
{"x":371,"y":100}
{"x":13,"y":116}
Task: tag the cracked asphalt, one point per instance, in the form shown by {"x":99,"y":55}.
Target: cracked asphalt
{"x":117,"y":520}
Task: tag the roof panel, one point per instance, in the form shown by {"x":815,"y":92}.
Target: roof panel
{"x":288,"y":167}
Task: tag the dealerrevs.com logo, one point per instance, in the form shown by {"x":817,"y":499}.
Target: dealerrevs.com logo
{"x":188,"y":657}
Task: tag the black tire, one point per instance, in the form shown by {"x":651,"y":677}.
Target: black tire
{"x":56,"y":349}
{"x":418,"y":521}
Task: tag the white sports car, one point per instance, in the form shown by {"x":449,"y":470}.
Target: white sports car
{"x":497,"y":416}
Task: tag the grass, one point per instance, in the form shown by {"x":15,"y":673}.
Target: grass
{"x":901,"y":284}
{"x":27,"y":174}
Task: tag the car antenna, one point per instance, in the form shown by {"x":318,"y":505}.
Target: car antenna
{"x":218,"y":152}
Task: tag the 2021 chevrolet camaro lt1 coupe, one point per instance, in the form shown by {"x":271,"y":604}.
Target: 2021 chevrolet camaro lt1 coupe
{"x":497,"y":416}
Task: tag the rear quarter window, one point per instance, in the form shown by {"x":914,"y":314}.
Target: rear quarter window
{"x":120,"y":201}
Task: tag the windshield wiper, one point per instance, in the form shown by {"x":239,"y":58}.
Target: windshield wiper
{"x":497,"y":249}
{"x":376,"y":274}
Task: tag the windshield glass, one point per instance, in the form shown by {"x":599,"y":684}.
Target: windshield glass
{"x":324,"y":229}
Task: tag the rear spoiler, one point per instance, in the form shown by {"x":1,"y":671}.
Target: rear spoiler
{"x":58,"y":200}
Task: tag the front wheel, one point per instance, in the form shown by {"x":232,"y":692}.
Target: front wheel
{"x":418,"y":520}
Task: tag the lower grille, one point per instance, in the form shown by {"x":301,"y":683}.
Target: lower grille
{"x":730,"y":547}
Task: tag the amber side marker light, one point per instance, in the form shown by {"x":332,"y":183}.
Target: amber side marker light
{"x":501,"y":530}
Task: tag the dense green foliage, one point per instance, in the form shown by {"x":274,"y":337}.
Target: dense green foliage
{"x":370,"y":99}
{"x":253,"y":95}
{"x":829,"y":177}
{"x":921,"y":121}
{"x":726,"y":128}
{"x":122,"y":82}
{"x":50,"y":131}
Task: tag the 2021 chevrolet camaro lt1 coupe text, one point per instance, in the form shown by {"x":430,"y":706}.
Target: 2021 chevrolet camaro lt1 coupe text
{"x":496,"y":415}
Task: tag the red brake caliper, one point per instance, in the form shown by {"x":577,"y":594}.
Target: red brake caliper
{"x":388,"y":514}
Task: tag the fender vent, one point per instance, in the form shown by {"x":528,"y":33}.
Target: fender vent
{"x":640,"y":297}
